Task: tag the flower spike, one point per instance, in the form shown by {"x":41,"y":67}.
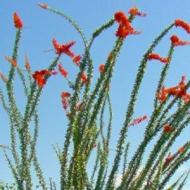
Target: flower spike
{"x":64,"y":99}
{"x":125,"y":27}
{"x":167,"y":128}
{"x":39,"y":77}
{"x":120,"y":17}
{"x":162,"y":95}
{"x":155,"y":56}
{"x":182,"y":24}
{"x":84,"y":78}
{"x":62,"y":71}
{"x":138,"y":120}
{"x":178,"y":42}
{"x":64,"y":48}
{"x":181,"y":150}
{"x":168,"y":160}
{"x":177,"y":91}
{"x":101,"y":68}
{"x":77,"y":59}
{"x":17,"y":21}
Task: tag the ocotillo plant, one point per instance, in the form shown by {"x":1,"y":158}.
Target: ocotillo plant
{"x":85,"y":106}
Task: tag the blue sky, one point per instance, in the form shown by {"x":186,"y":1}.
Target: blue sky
{"x":41,"y":26}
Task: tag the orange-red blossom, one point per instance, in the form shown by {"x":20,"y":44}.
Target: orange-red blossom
{"x":171,"y":157}
{"x":65,"y":99}
{"x":125,"y":27}
{"x":167,"y":128}
{"x":62,"y":70}
{"x":178,"y":91}
{"x":168,"y":160}
{"x":101,"y":68}
{"x":155,"y":56}
{"x":77,"y":59}
{"x":182,"y":24}
{"x":84,"y":78}
{"x":181,"y":150}
{"x":176,"y":41}
{"x":17,"y":21}
{"x":138,"y":120}
{"x":40,"y":77}
{"x":63,"y":48}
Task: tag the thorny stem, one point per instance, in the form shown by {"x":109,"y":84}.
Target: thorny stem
{"x":130,"y":108}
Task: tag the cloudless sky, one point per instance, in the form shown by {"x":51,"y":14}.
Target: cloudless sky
{"x":41,"y":26}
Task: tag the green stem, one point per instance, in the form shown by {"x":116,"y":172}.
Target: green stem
{"x":131,"y":106}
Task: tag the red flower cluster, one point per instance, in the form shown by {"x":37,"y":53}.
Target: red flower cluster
{"x":171,"y":157}
{"x":62,"y":71}
{"x":155,"y":56}
{"x":138,"y":120}
{"x":135,"y":12}
{"x":77,"y":59}
{"x":101,"y":68}
{"x":63,"y":48}
{"x":162,"y":95}
{"x":125,"y":27}
{"x":65,"y":99}
{"x":167,"y":128}
{"x":181,"y":150}
{"x":168,"y":160}
{"x":39,"y":77}
{"x":17,"y":21}
{"x":179,"y":91}
{"x":178,"y":42}
{"x":182,"y":24}
{"x":84,"y":78}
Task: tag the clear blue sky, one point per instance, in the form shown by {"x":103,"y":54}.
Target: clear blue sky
{"x":41,"y":26}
